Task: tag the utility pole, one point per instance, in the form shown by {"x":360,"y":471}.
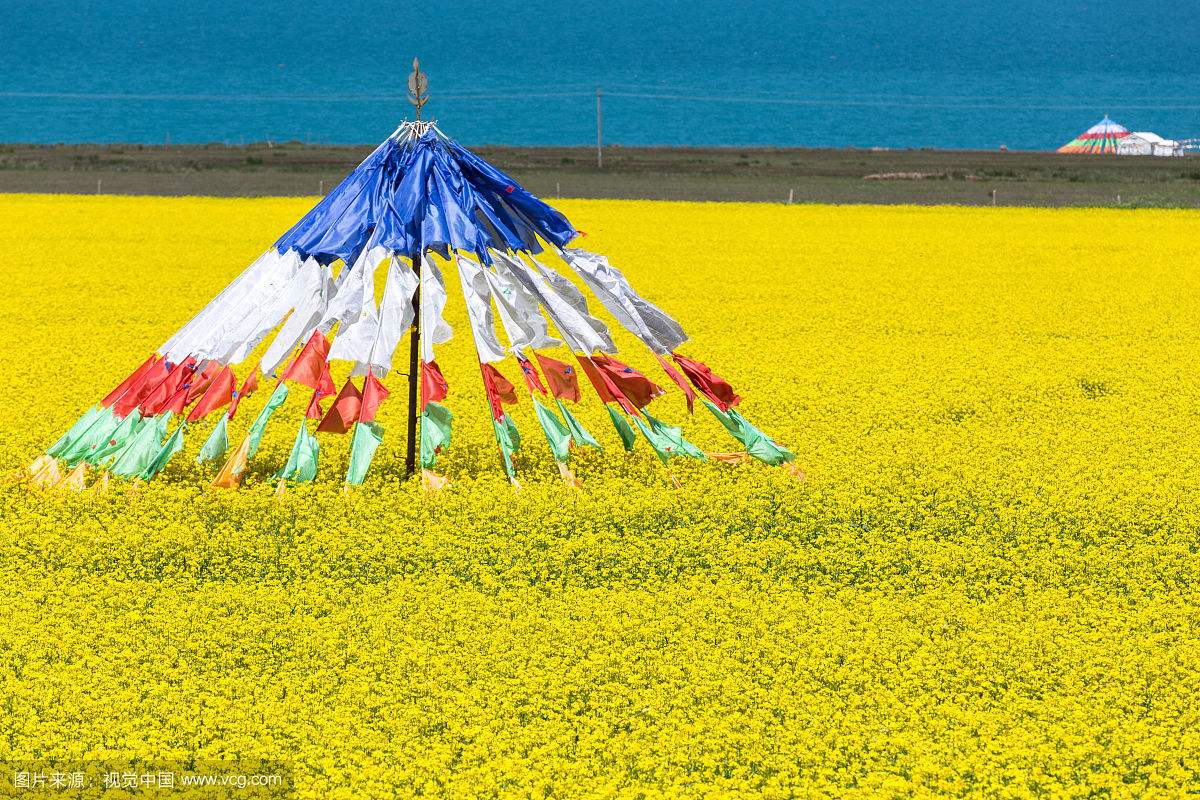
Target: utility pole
{"x":599,"y":132}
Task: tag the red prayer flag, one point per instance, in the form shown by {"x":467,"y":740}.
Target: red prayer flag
{"x":311,"y":366}
{"x":433,"y":384}
{"x":532,"y":379}
{"x":714,"y":387}
{"x":200,"y":382}
{"x":344,"y":410}
{"x":183,"y":383}
{"x":314,"y":410}
{"x":248,"y":388}
{"x":563,"y":380}
{"x":142,"y":388}
{"x":218,"y":394}
{"x":133,"y":380}
{"x":680,"y":381}
{"x":373,"y":395}
{"x":633,"y":385}
{"x":326,"y":386}
{"x":499,"y":390}
{"x":603,"y":386}
{"x":156,"y":401}
{"x":187,"y":374}
{"x":178,"y":401}
{"x":504,"y":388}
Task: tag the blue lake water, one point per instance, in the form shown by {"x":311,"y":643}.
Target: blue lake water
{"x":1029,"y":75}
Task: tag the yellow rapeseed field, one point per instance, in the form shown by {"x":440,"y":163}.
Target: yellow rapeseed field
{"x":987,"y":585}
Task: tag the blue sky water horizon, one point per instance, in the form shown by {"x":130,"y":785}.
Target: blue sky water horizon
{"x":858,"y":73}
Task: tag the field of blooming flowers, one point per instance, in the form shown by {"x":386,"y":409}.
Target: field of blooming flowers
{"x":986,"y":586}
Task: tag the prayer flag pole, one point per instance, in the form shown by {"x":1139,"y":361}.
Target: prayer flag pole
{"x":414,"y":373}
{"x":417,"y":85}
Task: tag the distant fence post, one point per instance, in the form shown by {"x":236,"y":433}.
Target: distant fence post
{"x":993,"y":197}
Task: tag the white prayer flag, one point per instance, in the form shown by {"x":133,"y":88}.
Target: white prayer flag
{"x":396,"y":313}
{"x":478,"y":295}
{"x":434,"y":328}
{"x":309,"y":303}
{"x":639,"y":316}
{"x":248,"y":323}
{"x":354,"y":306}
{"x":569,"y":313}
{"x":520,"y":316}
{"x":184,"y":342}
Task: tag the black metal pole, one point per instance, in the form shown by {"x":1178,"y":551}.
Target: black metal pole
{"x":414,"y":371}
{"x":417,"y":84}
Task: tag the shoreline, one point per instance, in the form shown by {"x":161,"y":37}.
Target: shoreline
{"x":780,"y":175}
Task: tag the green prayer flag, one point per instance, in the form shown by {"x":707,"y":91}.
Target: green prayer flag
{"x":107,"y":452}
{"x":757,"y":443}
{"x":301,"y":465}
{"x":217,"y":443}
{"x":578,"y":432}
{"x":510,"y":428}
{"x":557,"y":435}
{"x":92,"y":438}
{"x":260,"y":422}
{"x":509,"y":441}
{"x":436,"y":421}
{"x":367,"y":438}
{"x":75,"y":431}
{"x":680,"y":446}
{"x":628,"y":437}
{"x":142,"y":449}
{"x":660,"y":446}
{"x":168,"y":450}
{"x":663,"y":447}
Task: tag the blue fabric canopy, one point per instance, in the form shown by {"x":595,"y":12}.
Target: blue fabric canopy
{"x":425,"y":192}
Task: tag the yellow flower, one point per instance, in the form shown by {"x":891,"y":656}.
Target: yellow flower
{"x":985,"y":587}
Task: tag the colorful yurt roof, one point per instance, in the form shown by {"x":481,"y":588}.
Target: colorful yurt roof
{"x":1100,"y":138}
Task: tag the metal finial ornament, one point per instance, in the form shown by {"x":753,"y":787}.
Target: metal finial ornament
{"x":417,"y":86}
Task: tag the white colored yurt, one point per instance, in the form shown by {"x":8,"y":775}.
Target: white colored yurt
{"x":1145,"y":143}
